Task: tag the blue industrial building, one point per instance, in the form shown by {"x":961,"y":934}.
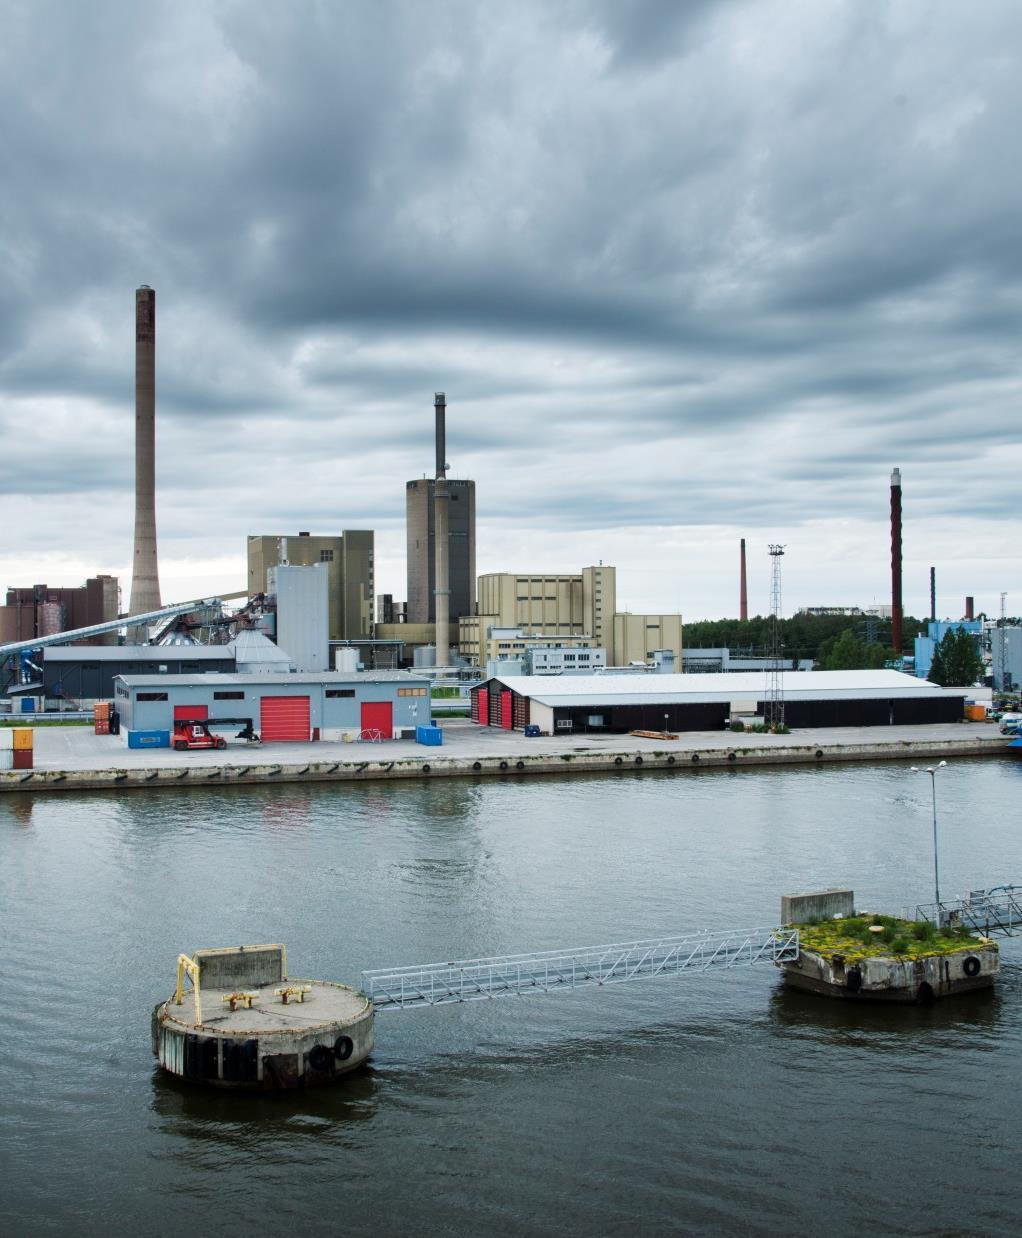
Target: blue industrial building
{"x":326,"y":705}
{"x":937,"y":629}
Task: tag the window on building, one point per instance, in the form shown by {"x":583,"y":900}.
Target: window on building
{"x":228,"y":696}
{"x":151,"y":696}
{"x":411,"y":691}
{"x":120,"y":690}
{"x":340,"y":692}
{"x":326,"y":556}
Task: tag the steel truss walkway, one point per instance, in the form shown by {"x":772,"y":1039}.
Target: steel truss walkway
{"x":994,"y":912}
{"x":516,"y":975}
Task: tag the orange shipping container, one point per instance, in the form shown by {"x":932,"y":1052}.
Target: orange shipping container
{"x":23,"y":738}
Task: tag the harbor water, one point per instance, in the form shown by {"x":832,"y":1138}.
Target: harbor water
{"x":716,"y":1104}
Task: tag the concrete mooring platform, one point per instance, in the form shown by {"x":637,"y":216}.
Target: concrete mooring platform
{"x":246,"y":1024}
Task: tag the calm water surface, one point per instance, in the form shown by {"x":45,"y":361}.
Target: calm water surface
{"x":709,"y":1105}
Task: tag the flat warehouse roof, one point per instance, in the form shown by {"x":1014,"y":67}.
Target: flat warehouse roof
{"x":643,"y":689}
{"x":221,"y":678}
{"x":138,"y":653}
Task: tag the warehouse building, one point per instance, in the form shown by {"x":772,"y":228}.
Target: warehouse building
{"x":328,"y":706}
{"x":621,"y":703}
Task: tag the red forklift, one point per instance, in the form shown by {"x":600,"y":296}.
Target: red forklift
{"x":195,"y":732}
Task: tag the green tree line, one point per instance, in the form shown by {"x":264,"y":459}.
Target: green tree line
{"x":834,"y":642}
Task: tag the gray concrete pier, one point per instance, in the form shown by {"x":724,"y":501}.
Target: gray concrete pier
{"x":253,"y":1026}
{"x":72,"y":758}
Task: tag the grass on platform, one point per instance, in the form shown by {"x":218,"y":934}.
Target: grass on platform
{"x":853,"y":940}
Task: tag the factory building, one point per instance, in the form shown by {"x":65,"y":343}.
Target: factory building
{"x":72,"y":674}
{"x":421,"y":551}
{"x":582,"y":605}
{"x":576,"y":605}
{"x":40,"y":610}
{"x":296,"y":708}
{"x":936,"y":630}
{"x":621,"y":703}
{"x":349,"y":564}
{"x":638,"y":637}
{"x":1006,"y":650}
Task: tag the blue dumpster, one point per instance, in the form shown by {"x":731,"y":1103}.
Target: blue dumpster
{"x":432,"y":736}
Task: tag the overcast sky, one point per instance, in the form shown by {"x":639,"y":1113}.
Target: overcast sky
{"x":687,"y":271}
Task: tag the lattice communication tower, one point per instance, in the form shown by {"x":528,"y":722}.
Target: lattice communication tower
{"x":775,"y":676}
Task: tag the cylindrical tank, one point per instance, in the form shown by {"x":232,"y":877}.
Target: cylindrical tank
{"x":424,"y":656}
{"x":346,"y":660}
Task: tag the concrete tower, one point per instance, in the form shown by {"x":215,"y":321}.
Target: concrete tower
{"x":145,"y":579}
{"x":440,"y":525}
{"x":743,"y":590}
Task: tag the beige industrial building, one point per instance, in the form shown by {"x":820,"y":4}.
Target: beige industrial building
{"x":638,"y":637}
{"x":349,"y":563}
{"x":570,"y":605}
{"x":580,"y":606}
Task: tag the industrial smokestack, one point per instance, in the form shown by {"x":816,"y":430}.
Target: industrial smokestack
{"x":969,"y":607}
{"x":743,"y":591}
{"x":896,"y":638}
{"x":145,"y":580}
{"x":933,"y":595}
{"x":440,"y":535}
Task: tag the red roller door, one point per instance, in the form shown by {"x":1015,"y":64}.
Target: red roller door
{"x":183,"y":713}
{"x":482,"y":708}
{"x":505,"y":710}
{"x":284,"y":718}
{"x":378,"y":716}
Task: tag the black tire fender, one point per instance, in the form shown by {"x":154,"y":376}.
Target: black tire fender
{"x":320,"y":1057}
{"x":638,"y":760}
{"x":344,"y":1047}
{"x":971,"y":965}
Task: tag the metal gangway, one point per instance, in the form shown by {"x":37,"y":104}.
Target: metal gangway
{"x":517,"y":975}
{"x":996,"y":912}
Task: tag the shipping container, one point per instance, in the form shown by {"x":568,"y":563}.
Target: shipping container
{"x":6,"y":739}
{"x":23,"y":738}
{"x":22,"y":758}
{"x":148,"y":739}
{"x":6,"y":758}
{"x":431,"y":736}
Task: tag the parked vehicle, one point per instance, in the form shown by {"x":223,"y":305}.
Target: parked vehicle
{"x":192,"y":733}
{"x":1010,"y":723}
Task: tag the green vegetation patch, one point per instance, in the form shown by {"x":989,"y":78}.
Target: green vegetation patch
{"x":859,"y":937}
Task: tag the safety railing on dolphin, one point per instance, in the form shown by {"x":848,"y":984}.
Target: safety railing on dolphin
{"x":993,"y":912}
{"x":516,"y":975}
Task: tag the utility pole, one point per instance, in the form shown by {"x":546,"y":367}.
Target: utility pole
{"x":775,"y":683}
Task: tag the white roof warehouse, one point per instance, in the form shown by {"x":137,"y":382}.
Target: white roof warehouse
{"x":705,"y":702}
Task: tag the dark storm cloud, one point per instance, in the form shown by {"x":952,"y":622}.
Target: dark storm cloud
{"x":674,"y":264}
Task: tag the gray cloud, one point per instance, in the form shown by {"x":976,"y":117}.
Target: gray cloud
{"x":701,"y":267}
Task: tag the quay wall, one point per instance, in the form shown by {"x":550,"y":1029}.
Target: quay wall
{"x":430,"y":764}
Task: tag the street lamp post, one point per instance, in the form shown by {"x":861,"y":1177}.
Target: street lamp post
{"x":932,"y":771}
